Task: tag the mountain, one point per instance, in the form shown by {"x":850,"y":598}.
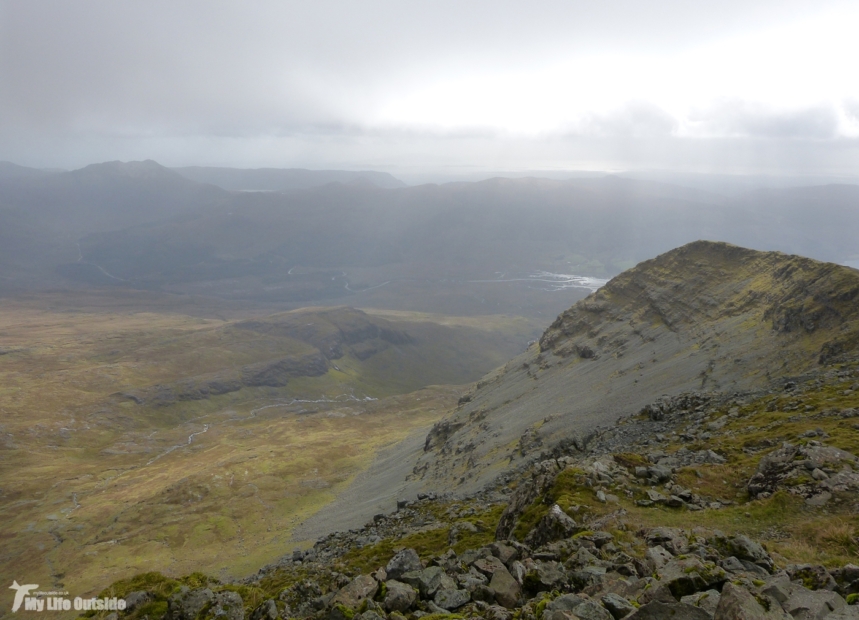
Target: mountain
{"x":8,"y":170}
{"x":732,"y":495}
{"x":707,"y":316}
{"x":106,"y":196}
{"x":281,"y":179}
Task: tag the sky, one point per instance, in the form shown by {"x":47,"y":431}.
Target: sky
{"x":734,"y":87}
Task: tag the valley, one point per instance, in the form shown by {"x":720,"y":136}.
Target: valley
{"x":172,"y":439}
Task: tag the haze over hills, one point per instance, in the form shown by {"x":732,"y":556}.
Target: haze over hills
{"x":458,"y":248}
{"x":280,"y":179}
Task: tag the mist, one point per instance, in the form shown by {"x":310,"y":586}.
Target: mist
{"x":433,"y":91}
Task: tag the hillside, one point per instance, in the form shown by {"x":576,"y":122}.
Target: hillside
{"x":140,"y":434}
{"x":716,"y":506}
{"x":706,"y":316}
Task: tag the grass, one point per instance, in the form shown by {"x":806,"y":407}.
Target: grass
{"x":90,"y":492}
{"x":793,"y":531}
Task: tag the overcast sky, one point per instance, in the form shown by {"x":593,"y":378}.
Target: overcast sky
{"x":730,"y":86}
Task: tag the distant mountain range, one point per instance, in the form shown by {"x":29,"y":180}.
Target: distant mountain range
{"x":460,"y":248}
{"x":280,"y":179}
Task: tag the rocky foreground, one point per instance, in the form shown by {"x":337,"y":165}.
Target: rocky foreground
{"x":700,"y":506}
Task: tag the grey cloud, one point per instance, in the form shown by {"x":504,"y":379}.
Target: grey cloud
{"x":851,"y":108}
{"x":289,"y":82}
{"x":638,"y":119}
{"x":749,"y":119}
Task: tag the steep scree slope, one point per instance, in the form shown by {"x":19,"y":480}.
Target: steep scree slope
{"x":706,"y":316}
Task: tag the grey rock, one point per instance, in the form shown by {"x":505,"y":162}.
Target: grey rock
{"x":657,"y":557}
{"x":403,"y":562}
{"x":566,"y":602}
{"x":399,"y":596}
{"x":659,"y":610}
{"x":504,"y":552}
{"x":556,"y":525}
{"x":671,"y":538}
{"x":616,"y":605}
{"x":228,"y":605}
{"x":813,"y":576}
{"x":708,"y":600}
{"x":743,"y":548}
{"x":690,"y":575}
{"x":659,"y":473}
{"x":737,"y":603}
{"x":356,"y":591}
{"x":545,"y":576}
{"x":518,"y":570}
{"x":496,"y":612}
{"x":135,"y":599}
{"x":370,"y":614}
{"x":451,"y":599}
{"x":804,"y":604}
{"x":424,"y":582}
{"x":488,"y":565}
{"x":266,"y":611}
{"x":591,"y":610}
{"x":777,"y":587}
{"x":505,"y":588}
{"x":186,"y":604}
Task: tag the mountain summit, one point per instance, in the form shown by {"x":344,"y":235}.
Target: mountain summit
{"x":704,"y":317}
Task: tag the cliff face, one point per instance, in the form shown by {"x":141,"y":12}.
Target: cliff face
{"x":704,"y":317}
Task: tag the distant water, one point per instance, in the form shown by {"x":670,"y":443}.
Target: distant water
{"x":555,"y":281}
{"x":560,"y":281}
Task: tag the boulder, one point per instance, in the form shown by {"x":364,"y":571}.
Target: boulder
{"x":562,"y":607}
{"x":426,"y":581}
{"x":804,"y":604}
{"x":555,"y":525}
{"x":399,"y":596}
{"x":451,"y":599}
{"x":187,"y":603}
{"x":228,"y":605}
{"x":659,"y":610}
{"x":737,"y":603}
{"x":616,"y":605}
{"x":403,"y":562}
{"x":488,"y":565}
{"x":135,"y":599}
{"x":689,"y":575}
{"x":657,"y":557}
{"x":266,"y":611}
{"x":812,"y":576}
{"x":504,"y":552}
{"x":545,"y":577}
{"x":505,"y":588}
{"x":356,"y":591}
{"x":743,"y":548}
{"x":671,"y":538}
{"x":591,"y":610}
{"x":708,"y":600}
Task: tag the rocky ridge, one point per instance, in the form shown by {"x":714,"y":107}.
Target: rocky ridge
{"x":704,"y":317}
{"x":704,"y":505}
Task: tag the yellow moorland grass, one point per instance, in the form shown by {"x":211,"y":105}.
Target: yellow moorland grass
{"x":94,"y":488}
